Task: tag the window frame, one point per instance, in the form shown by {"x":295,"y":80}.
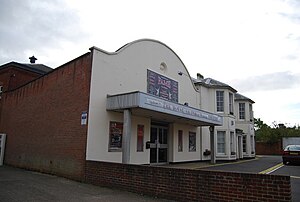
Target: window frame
{"x":242,"y":111}
{"x":231,"y":104}
{"x":180,"y":140}
{"x":244,"y":144}
{"x":140,"y":138}
{"x":192,"y":142}
{"x":220,"y":101}
{"x":223,"y":144}
{"x":232,"y":142}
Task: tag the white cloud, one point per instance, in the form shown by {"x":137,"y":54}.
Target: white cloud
{"x":35,"y":27}
{"x":230,"y":40}
{"x":268,"y":82}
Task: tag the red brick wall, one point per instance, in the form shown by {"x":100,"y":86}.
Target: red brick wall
{"x":263,"y":148}
{"x":189,"y":185}
{"x":42,"y":121}
{"x":12,"y":77}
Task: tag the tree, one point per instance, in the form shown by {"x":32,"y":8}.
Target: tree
{"x":265,"y":133}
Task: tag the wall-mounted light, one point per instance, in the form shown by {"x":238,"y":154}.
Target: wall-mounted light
{"x":180,"y":73}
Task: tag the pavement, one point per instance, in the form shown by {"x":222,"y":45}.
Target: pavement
{"x":21,"y":185}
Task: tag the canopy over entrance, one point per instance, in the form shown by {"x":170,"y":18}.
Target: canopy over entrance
{"x":143,"y":104}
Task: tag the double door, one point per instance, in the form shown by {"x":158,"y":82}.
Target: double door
{"x":158,"y":144}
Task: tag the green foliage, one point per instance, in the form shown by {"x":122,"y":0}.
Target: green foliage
{"x":265,"y":133}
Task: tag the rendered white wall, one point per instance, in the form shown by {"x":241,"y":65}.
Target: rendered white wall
{"x":122,"y":72}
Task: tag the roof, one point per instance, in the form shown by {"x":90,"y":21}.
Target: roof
{"x":239,"y":97}
{"x":212,"y":83}
{"x":37,"y":68}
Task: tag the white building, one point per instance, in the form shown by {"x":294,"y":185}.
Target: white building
{"x":144,"y":107}
{"x":235,"y":137}
{"x":245,"y":125}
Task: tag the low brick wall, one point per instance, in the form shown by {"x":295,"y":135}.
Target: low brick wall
{"x":189,"y":185}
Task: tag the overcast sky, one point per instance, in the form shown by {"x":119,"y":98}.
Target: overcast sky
{"x":252,"y":45}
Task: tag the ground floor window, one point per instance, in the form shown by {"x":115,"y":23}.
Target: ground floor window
{"x":140,"y":138}
{"x":232,"y":143}
{"x":192,"y":141}
{"x":221,"y":142}
{"x":115,"y":136}
{"x":244,"y":144}
{"x":180,"y":142}
{"x":252,"y":144}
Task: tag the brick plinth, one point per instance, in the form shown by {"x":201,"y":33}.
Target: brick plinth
{"x":189,"y":185}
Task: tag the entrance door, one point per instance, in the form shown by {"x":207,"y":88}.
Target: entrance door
{"x":158,"y":144}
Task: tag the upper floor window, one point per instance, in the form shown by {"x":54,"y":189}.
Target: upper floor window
{"x":242,"y":110}
{"x":231,"y":103}
{"x":251,"y":112}
{"x":220,"y":101}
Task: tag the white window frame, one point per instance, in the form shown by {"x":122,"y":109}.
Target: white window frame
{"x":221,"y":142}
{"x":192,"y":142}
{"x":242,"y":111}
{"x":251,"y":112}
{"x":220,"y":101}
{"x":231,"y":108}
{"x":252,"y":144}
{"x":180,"y":140}
{"x":244,"y":144}
{"x":232,"y":142}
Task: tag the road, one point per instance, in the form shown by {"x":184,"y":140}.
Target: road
{"x":262,"y":164}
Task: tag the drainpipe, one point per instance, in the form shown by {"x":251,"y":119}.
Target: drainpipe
{"x":126,"y":137}
{"x":212,"y":144}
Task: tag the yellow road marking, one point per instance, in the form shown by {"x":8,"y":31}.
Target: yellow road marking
{"x":272,"y":169}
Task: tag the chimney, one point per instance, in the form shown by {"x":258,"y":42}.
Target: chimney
{"x":32,"y":59}
{"x":200,"y":76}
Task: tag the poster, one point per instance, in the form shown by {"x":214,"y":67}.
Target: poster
{"x":162,"y":86}
{"x":115,"y":136}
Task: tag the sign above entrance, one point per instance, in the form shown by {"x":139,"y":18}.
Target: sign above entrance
{"x":162,"y":86}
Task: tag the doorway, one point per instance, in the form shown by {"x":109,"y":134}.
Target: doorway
{"x":240,"y":147}
{"x":159,"y":144}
